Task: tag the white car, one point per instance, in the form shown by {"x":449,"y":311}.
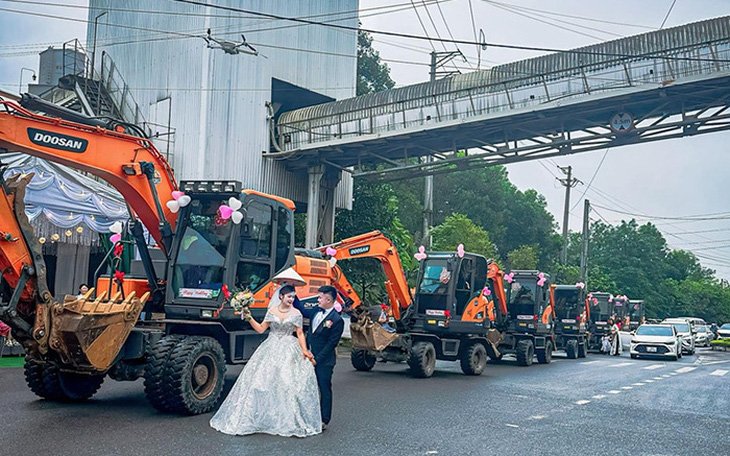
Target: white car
{"x":656,"y":340}
{"x":703,"y":336}
{"x":724,"y":331}
{"x":686,"y":332}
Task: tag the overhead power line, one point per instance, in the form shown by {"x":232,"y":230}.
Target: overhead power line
{"x":446,"y":40}
{"x":712,"y":216}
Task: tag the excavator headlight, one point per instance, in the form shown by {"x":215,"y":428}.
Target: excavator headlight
{"x":131,"y":169}
{"x":206,"y":313}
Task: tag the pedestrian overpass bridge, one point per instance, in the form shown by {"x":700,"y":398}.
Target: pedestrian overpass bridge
{"x":658,"y":85}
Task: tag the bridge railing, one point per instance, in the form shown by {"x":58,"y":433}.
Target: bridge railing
{"x":476,"y":94}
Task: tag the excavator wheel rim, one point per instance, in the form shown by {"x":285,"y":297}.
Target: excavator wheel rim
{"x":204,"y":376}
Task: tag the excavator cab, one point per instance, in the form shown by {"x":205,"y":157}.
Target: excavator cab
{"x":447,"y":286}
{"x":601,"y":311}
{"x":571,"y":320}
{"x":528,"y":303}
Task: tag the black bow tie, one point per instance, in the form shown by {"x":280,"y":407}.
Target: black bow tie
{"x":319,"y":309}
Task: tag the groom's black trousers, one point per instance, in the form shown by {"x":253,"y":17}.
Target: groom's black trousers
{"x":324,"y":380}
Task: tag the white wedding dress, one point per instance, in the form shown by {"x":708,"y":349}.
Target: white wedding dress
{"x":277,"y":391}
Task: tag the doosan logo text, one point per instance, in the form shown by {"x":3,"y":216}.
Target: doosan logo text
{"x":57,"y":141}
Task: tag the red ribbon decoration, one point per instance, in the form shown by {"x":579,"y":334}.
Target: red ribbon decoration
{"x":226,"y":293}
{"x":118,"y":249}
{"x":119,"y":277}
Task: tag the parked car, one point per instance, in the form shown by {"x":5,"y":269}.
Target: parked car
{"x":686,"y":331}
{"x":724,"y":331}
{"x":703,"y":336}
{"x":656,"y":340}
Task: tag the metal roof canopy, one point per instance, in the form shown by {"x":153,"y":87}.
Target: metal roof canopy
{"x":671,"y":83}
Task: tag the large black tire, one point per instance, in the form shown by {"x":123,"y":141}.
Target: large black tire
{"x":154,"y":373}
{"x":583,"y":349}
{"x":571,"y":349}
{"x":194,"y":376}
{"x":525,"y":351}
{"x":422,"y":360}
{"x":474,"y":359}
{"x":49,"y":382}
{"x":362,"y":360}
{"x":545,"y":356}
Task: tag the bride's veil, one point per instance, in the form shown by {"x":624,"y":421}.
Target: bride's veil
{"x":275,"y":298}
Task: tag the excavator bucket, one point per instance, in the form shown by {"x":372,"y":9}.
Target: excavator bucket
{"x":88,"y":334}
{"x":368,"y":335}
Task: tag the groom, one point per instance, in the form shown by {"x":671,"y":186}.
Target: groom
{"x":325,"y":330}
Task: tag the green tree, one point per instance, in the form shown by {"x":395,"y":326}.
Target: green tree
{"x":372,"y":74}
{"x":459,"y":229}
{"x":523,"y":257}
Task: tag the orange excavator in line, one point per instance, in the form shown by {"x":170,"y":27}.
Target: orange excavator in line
{"x":449,"y":317}
{"x":171,"y":325}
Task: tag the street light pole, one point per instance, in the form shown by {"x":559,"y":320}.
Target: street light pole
{"x":93,"y":52}
{"x":20,"y":83}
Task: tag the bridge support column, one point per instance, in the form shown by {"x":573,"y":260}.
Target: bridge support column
{"x":321,"y":205}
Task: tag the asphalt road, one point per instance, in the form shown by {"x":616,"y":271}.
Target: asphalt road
{"x":600,"y":405}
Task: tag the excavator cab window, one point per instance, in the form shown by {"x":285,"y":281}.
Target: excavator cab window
{"x":255,"y":251}
{"x":436,"y":277}
{"x":568,"y":303}
{"x":522,"y":299}
{"x":200,"y":264}
{"x":283,"y":237}
{"x":464,"y":284}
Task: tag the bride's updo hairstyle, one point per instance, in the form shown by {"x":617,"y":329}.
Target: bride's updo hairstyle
{"x":286,"y":289}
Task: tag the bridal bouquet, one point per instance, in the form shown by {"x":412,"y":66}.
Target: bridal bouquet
{"x":239,"y":300}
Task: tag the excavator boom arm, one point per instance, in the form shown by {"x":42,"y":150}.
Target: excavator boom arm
{"x":130,"y":164}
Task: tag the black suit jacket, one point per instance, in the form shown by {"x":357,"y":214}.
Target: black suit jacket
{"x":323,"y":339}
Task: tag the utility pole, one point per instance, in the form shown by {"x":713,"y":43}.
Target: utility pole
{"x":438,"y":60}
{"x":584,"y":246}
{"x":568,"y":183}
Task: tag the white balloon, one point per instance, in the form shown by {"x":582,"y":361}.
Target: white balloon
{"x":236,"y":217}
{"x":173,"y":205}
{"x":116,"y":227}
{"x":183,"y":200}
{"x":234,"y":203}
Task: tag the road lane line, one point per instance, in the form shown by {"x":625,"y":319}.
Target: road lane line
{"x":538,"y":417}
{"x":621,"y":364}
{"x":666,"y":375}
{"x":648,"y":381}
{"x":593,"y":362}
{"x":599,"y":396}
{"x":511,"y":425}
{"x":719,"y":372}
{"x":658,"y":378}
{"x":639,"y":384}
{"x":614,"y":392}
{"x":654,"y":366}
{"x":709,"y":363}
{"x":627,"y":387}
{"x":685,"y":369}
{"x":582,"y":402}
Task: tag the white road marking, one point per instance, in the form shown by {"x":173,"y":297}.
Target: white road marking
{"x":627,"y":387}
{"x":614,"y":392}
{"x":512,"y":425}
{"x":648,"y":381}
{"x":582,"y":402}
{"x":592,"y":362}
{"x":639,"y":384}
{"x":719,"y":372}
{"x":658,"y":378}
{"x":432,"y":452}
{"x":715,"y":362}
{"x":685,"y":369}
{"x":673,"y":373}
{"x":654,"y":366}
{"x":538,"y":417}
{"x":599,"y":396}
{"x":666,"y":376}
{"x":621,"y":364}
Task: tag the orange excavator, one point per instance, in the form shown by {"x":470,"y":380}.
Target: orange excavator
{"x":450,"y":317}
{"x":172,"y":325}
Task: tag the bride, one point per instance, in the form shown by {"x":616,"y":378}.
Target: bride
{"x":276,"y":392}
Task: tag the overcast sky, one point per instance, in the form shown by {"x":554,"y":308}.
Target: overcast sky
{"x":671,"y":178}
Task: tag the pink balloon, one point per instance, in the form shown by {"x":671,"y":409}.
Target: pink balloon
{"x":422,"y":249}
{"x":114,"y":238}
{"x":226,"y":212}
{"x":420,"y":256}
{"x":486,"y":291}
{"x":338,"y":307}
{"x":177,"y":194}
{"x":460,"y":250}
{"x":330,"y":251}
